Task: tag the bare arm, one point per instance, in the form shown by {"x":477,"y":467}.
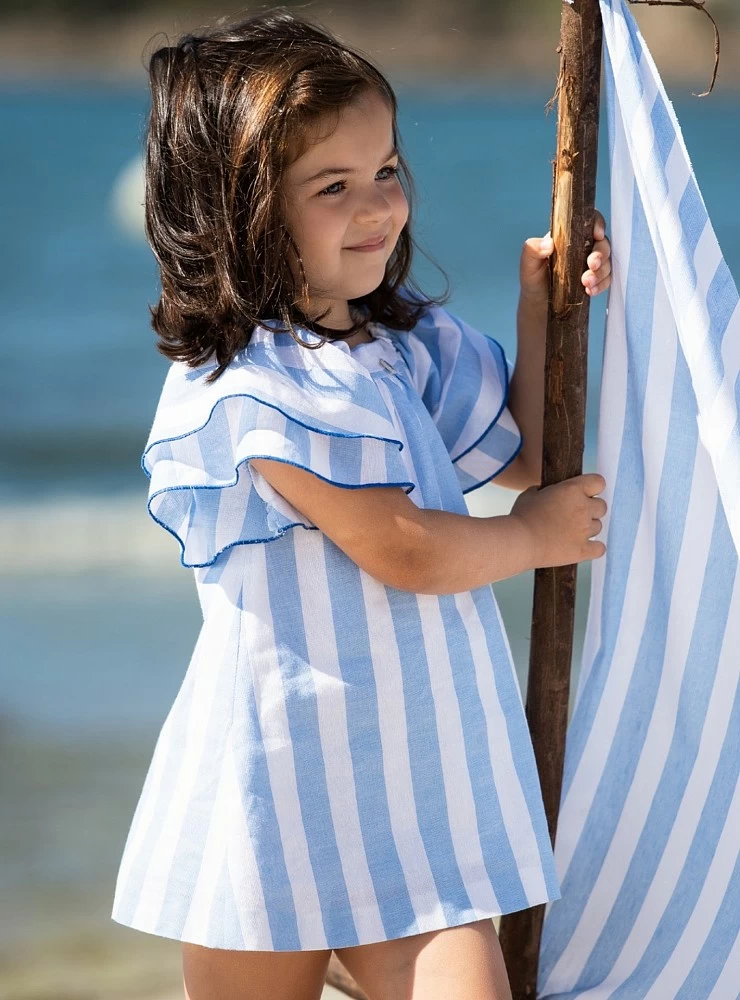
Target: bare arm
{"x":425,"y":551}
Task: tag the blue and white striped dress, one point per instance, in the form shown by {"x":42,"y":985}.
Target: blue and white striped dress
{"x":345,"y":762}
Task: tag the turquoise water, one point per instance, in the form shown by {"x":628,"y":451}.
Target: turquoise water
{"x":98,"y":621}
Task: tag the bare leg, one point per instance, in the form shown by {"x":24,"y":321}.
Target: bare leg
{"x":218,"y":974}
{"x":462,"y":962}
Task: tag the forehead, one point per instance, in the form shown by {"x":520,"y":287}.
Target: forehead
{"x":359,"y":132}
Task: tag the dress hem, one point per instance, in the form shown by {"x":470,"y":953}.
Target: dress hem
{"x":468,"y":916}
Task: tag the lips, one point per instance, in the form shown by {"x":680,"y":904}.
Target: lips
{"x":376,"y":241}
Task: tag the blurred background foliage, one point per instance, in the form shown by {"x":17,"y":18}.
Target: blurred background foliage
{"x":467,"y":38}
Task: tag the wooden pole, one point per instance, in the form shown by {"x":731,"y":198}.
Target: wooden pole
{"x":574,"y":189}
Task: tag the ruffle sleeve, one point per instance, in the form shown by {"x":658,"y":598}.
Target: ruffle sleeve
{"x":462,"y":376}
{"x":273,"y":403}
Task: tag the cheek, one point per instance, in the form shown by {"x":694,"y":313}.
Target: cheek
{"x":400,"y":207}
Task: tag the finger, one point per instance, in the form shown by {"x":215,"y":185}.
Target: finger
{"x":599,"y":225}
{"x":539,"y":246}
{"x":601,"y":287}
{"x":589,"y":279}
{"x":594,"y":275}
{"x":595,"y":260}
{"x":602,"y":250}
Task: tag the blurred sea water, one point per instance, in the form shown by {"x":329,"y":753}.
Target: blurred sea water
{"x":98,"y":617}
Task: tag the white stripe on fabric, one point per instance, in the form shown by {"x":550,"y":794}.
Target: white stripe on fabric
{"x":313,"y":583}
{"x":727,"y":981}
{"x":199,"y":916}
{"x":243,"y":868}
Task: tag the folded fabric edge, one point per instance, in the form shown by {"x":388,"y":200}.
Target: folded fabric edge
{"x":273,"y":406}
{"x":498,"y":472}
{"x":279,"y":531}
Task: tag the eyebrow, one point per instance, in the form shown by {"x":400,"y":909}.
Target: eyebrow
{"x":331,"y":171}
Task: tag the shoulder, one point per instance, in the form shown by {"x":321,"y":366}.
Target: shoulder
{"x":443,"y":347}
{"x":320,"y":389}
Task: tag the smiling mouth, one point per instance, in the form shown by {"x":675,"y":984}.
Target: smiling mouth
{"x":369,"y":246}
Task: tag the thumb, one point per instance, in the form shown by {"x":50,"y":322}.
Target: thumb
{"x":537,"y":248}
{"x":535,"y":252}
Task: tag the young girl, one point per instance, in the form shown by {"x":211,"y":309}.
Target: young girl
{"x":347,"y":764}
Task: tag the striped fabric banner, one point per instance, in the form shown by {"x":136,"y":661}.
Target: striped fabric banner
{"x":648,"y":845}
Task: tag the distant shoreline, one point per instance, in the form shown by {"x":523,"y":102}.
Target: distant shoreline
{"x":421,"y":46}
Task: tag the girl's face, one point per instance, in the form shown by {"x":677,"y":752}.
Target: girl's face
{"x":358,"y":198}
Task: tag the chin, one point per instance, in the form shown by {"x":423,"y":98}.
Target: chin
{"x":357,"y":290}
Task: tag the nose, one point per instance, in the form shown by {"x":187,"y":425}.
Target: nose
{"x":376,"y":208}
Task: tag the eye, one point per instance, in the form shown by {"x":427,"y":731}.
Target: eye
{"x":328,"y":193}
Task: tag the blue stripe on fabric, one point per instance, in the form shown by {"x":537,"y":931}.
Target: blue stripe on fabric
{"x":345,"y":460}
{"x":467,"y":483}
{"x":187,"y":854}
{"x":498,"y":443}
{"x":629,"y":484}
{"x":258,"y":803}
{"x":693,"y":875}
{"x":608,"y":802}
{"x":305,"y":737}
{"x":635,"y":44}
{"x":363,"y":728}
{"x":722,"y":300}
{"x":430,"y":795}
{"x":498,"y":855}
{"x":663,"y":130}
{"x":715,"y":951}
{"x":517,"y":732}
{"x":463,"y":383}
{"x":696,"y":689}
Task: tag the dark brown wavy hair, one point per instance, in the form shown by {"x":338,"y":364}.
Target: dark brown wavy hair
{"x":231,"y":109}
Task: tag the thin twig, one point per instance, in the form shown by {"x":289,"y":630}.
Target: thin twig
{"x":697,"y":5}
{"x":553,"y":100}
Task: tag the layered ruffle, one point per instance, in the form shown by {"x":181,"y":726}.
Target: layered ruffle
{"x":319,"y":413}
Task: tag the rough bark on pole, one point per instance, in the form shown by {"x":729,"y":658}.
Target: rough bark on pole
{"x":574,"y":188}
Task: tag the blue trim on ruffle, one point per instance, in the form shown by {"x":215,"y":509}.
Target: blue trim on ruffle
{"x":279,"y":531}
{"x":288,"y":416}
{"x":498,"y":471}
